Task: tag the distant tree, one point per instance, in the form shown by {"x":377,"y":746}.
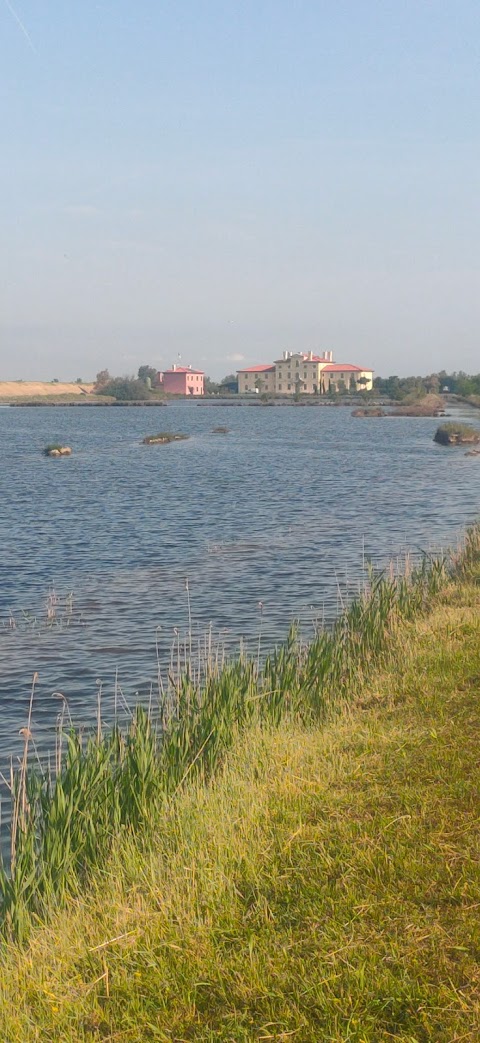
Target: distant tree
{"x":146,"y":373}
{"x":432,"y":383}
{"x":341,"y":387}
{"x":362,"y":381}
{"x":464,"y":385}
{"x":211,"y":387}
{"x":55,"y":380}
{"x":125,"y":389}
{"x":259,"y":384}
{"x":229,"y":379}
{"x":79,"y":380}
{"x":101,"y":379}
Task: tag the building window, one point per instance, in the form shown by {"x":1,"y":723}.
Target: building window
{"x":289,"y":387}
{"x":279,"y":387}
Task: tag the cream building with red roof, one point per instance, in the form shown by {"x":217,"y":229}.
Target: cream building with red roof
{"x":304,"y":373}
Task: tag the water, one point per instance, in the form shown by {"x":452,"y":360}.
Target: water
{"x":269,"y":523}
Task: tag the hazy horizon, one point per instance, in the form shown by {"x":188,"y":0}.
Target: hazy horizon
{"x":222,"y":182}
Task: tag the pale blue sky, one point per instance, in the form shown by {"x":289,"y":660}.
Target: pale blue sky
{"x":224,"y":180}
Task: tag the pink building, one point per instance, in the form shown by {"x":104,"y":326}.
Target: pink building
{"x":182,"y":380}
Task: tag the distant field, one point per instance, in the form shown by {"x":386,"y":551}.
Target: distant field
{"x":12,"y":389}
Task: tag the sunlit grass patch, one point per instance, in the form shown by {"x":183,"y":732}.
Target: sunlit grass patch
{"x":273,"y":868}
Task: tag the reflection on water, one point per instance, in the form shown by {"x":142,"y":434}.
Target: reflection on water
{"x":270,"y":523}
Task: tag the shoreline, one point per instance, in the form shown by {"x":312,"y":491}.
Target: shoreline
{"x":336,"y":849}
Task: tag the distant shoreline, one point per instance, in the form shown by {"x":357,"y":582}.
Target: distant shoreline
{"x":83,"y":403}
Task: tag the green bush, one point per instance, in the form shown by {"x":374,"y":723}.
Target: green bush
{"x":125,"y":389}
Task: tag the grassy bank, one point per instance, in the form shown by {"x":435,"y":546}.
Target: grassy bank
{"x":64,"y":820}
{"x":321,"y":885}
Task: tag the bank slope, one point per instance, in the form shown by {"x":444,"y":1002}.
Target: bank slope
{"x":325,"y":886}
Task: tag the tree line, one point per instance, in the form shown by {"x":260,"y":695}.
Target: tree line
{"x":144,"y":384}
{"x":399,"y":388}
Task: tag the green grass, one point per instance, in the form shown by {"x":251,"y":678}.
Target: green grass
{"x":311,"y":874}
{"x":324,"y":885}
{"x":63,"y":821}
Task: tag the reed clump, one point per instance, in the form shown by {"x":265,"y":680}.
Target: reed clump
{"x":454,"y":433}
{"x":164,"y":438}
{"x":119,"y":781}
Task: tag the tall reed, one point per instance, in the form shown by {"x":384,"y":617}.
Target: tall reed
{"x":63,"y":821}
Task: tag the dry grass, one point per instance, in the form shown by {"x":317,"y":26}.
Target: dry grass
{"x":324,"y":887}
{"x":18,"y":389}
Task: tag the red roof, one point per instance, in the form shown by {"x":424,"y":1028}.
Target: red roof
{"x":257,"y":369}
{"x":184,"y":369}
{"x":337,"y":367}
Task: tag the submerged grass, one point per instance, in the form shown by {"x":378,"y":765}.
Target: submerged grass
{"x":105,"y":785}
{"x":324,"y":886}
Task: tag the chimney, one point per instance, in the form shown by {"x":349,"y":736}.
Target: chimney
{"x":310,"y":355}
{"x":285,"y":354}
{"x":174,"y":367}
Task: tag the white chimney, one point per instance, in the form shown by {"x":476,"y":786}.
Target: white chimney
{"x":310,"y":355}
{"x":174,"y":366}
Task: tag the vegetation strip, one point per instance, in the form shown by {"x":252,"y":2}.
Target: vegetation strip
{"x":65,"y":821}
{"x":324,"y":885}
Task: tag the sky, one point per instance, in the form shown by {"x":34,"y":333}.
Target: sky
{"x":223,"y":180}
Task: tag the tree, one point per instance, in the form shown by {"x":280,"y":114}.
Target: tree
{"x":432,"y":383}
{"x":464,"y":385}
{"x":259,"y":384}
{"x":146,"y":373}
{"x":102,"y":378}
{"x":210,"y":386}
{"x":125,"y":389}
{"x":341,"y":387}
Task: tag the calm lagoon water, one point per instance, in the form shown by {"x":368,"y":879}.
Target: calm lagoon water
{"x":283,"y":511}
